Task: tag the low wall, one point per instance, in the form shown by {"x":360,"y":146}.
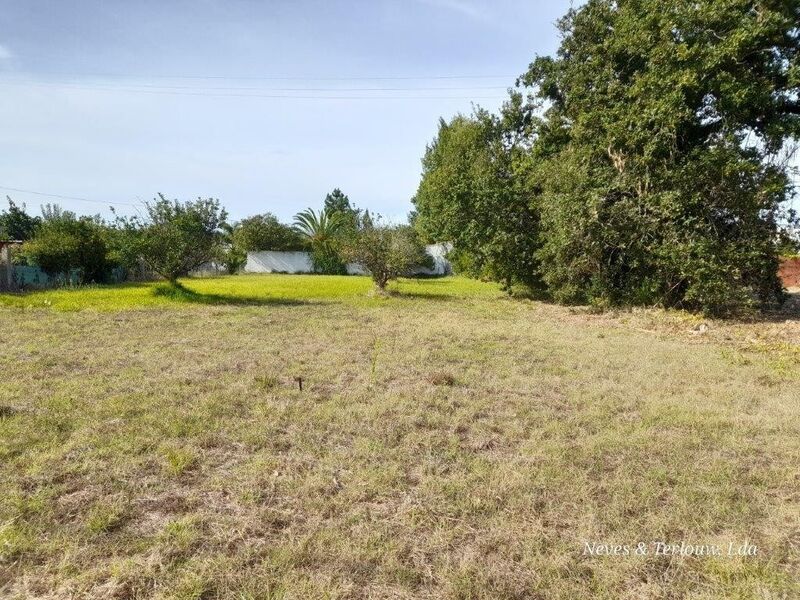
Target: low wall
{"x":790,"y":272}
{"x":274,"y":261}
{"x":441,"y":266}
{"x":209,"y":269}
{"x":26,"y":277}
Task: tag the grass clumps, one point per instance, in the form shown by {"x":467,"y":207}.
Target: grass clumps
{"x":179,"y":460}
{"x":105,"y":516}
{"x":444,"y":378}
{"x":440,"y":450}
{"x":267,"y":382}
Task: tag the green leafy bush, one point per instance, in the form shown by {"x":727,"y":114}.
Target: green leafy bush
{"x":265,"y":232}
{"x":387,"y":252}
{"x":63,"y":243}
{"x":175,"y":237}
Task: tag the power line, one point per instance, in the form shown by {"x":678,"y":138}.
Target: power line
{"x":11,"y":189}
{"x":270,"y":89}
{"x":291,"y":78}
{"x":106,"y":88}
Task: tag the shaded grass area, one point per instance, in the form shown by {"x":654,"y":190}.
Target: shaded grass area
{"x":462,"y":449}
{"x":180,"y":293}
{"x":245,"y":289}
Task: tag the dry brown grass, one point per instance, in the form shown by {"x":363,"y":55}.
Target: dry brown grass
{"x":168,"y":453}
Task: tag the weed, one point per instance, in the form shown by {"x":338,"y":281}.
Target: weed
{"x":105,"y":516}
{"x":179,"y":460}
{"x":267,"y":382}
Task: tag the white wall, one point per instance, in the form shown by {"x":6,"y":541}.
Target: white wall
{"x":441,"y":266}
{"x":273,"y":261}
{"x":208,"y":269}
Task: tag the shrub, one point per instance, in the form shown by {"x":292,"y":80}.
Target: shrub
{"x":265,"y":232}
{"x":322,"y":230}
{"x":63,"y":244}
{"x":176,"y":237}
{"x":387,"y":252}
{"x":233,"y":259}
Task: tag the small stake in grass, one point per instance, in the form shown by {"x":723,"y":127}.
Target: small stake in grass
{"x":299,"y":381}
{"x":376,"y":347}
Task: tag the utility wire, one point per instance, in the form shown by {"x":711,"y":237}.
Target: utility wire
{"x":291,"y":78}
{"x":11,"y":189}
{"x":106,"y":88}
{"x":268,"y":89}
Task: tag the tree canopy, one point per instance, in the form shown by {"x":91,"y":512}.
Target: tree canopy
{"x":386,"y":251}
{"x":16,"y":223}
{"x":63,"y":243}
{"x":647,"y":159}
{"x":265,"y":232}
{"x":177,"y":237}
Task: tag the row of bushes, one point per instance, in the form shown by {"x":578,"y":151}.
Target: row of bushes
{"x":173,"y":238}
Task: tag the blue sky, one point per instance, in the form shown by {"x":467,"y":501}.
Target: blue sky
{"x":113,"y":101}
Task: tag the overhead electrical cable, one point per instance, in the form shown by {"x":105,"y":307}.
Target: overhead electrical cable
{"x":107,"y":88}
{"x":286,"y":78}
{"x":63,"y":197}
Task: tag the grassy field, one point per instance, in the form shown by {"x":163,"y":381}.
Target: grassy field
{"x":448,"y":442}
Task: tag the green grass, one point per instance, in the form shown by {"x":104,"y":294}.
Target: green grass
{"x":244,"y":290}
{"x":449,"y":442}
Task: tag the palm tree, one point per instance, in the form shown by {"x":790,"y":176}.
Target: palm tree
{"x":320,"y":228}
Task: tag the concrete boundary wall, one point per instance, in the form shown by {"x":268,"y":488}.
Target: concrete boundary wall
{"x":274,"y":261}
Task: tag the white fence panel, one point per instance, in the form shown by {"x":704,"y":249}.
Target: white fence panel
{"x":441,"y":266}
{"x":273,"y":261}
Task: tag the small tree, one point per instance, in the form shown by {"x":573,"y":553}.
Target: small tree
{"x":63,"y":244}
{"x":387,"y":252}
{"x":178,"y":236}
{"x":322,"y":230}
{"x":265,"y":232}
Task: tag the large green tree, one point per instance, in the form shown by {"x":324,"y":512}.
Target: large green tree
{"x":469,"y":196}
{"x":644,"y":163}
{"x":662,"y":179}
{"x":353,"y":219}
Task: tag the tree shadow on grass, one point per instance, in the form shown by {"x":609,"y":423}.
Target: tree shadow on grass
{"x":404,"y":295}
{"x":180,"y":293}
{"x":789,"y":311}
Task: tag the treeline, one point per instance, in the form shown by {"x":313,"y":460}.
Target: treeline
{"x":646,"y":163}
{"x":172,"y":238}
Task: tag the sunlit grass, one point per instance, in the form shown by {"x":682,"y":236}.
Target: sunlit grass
{"x":447,"y":442}
{"x":246,"y":289}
